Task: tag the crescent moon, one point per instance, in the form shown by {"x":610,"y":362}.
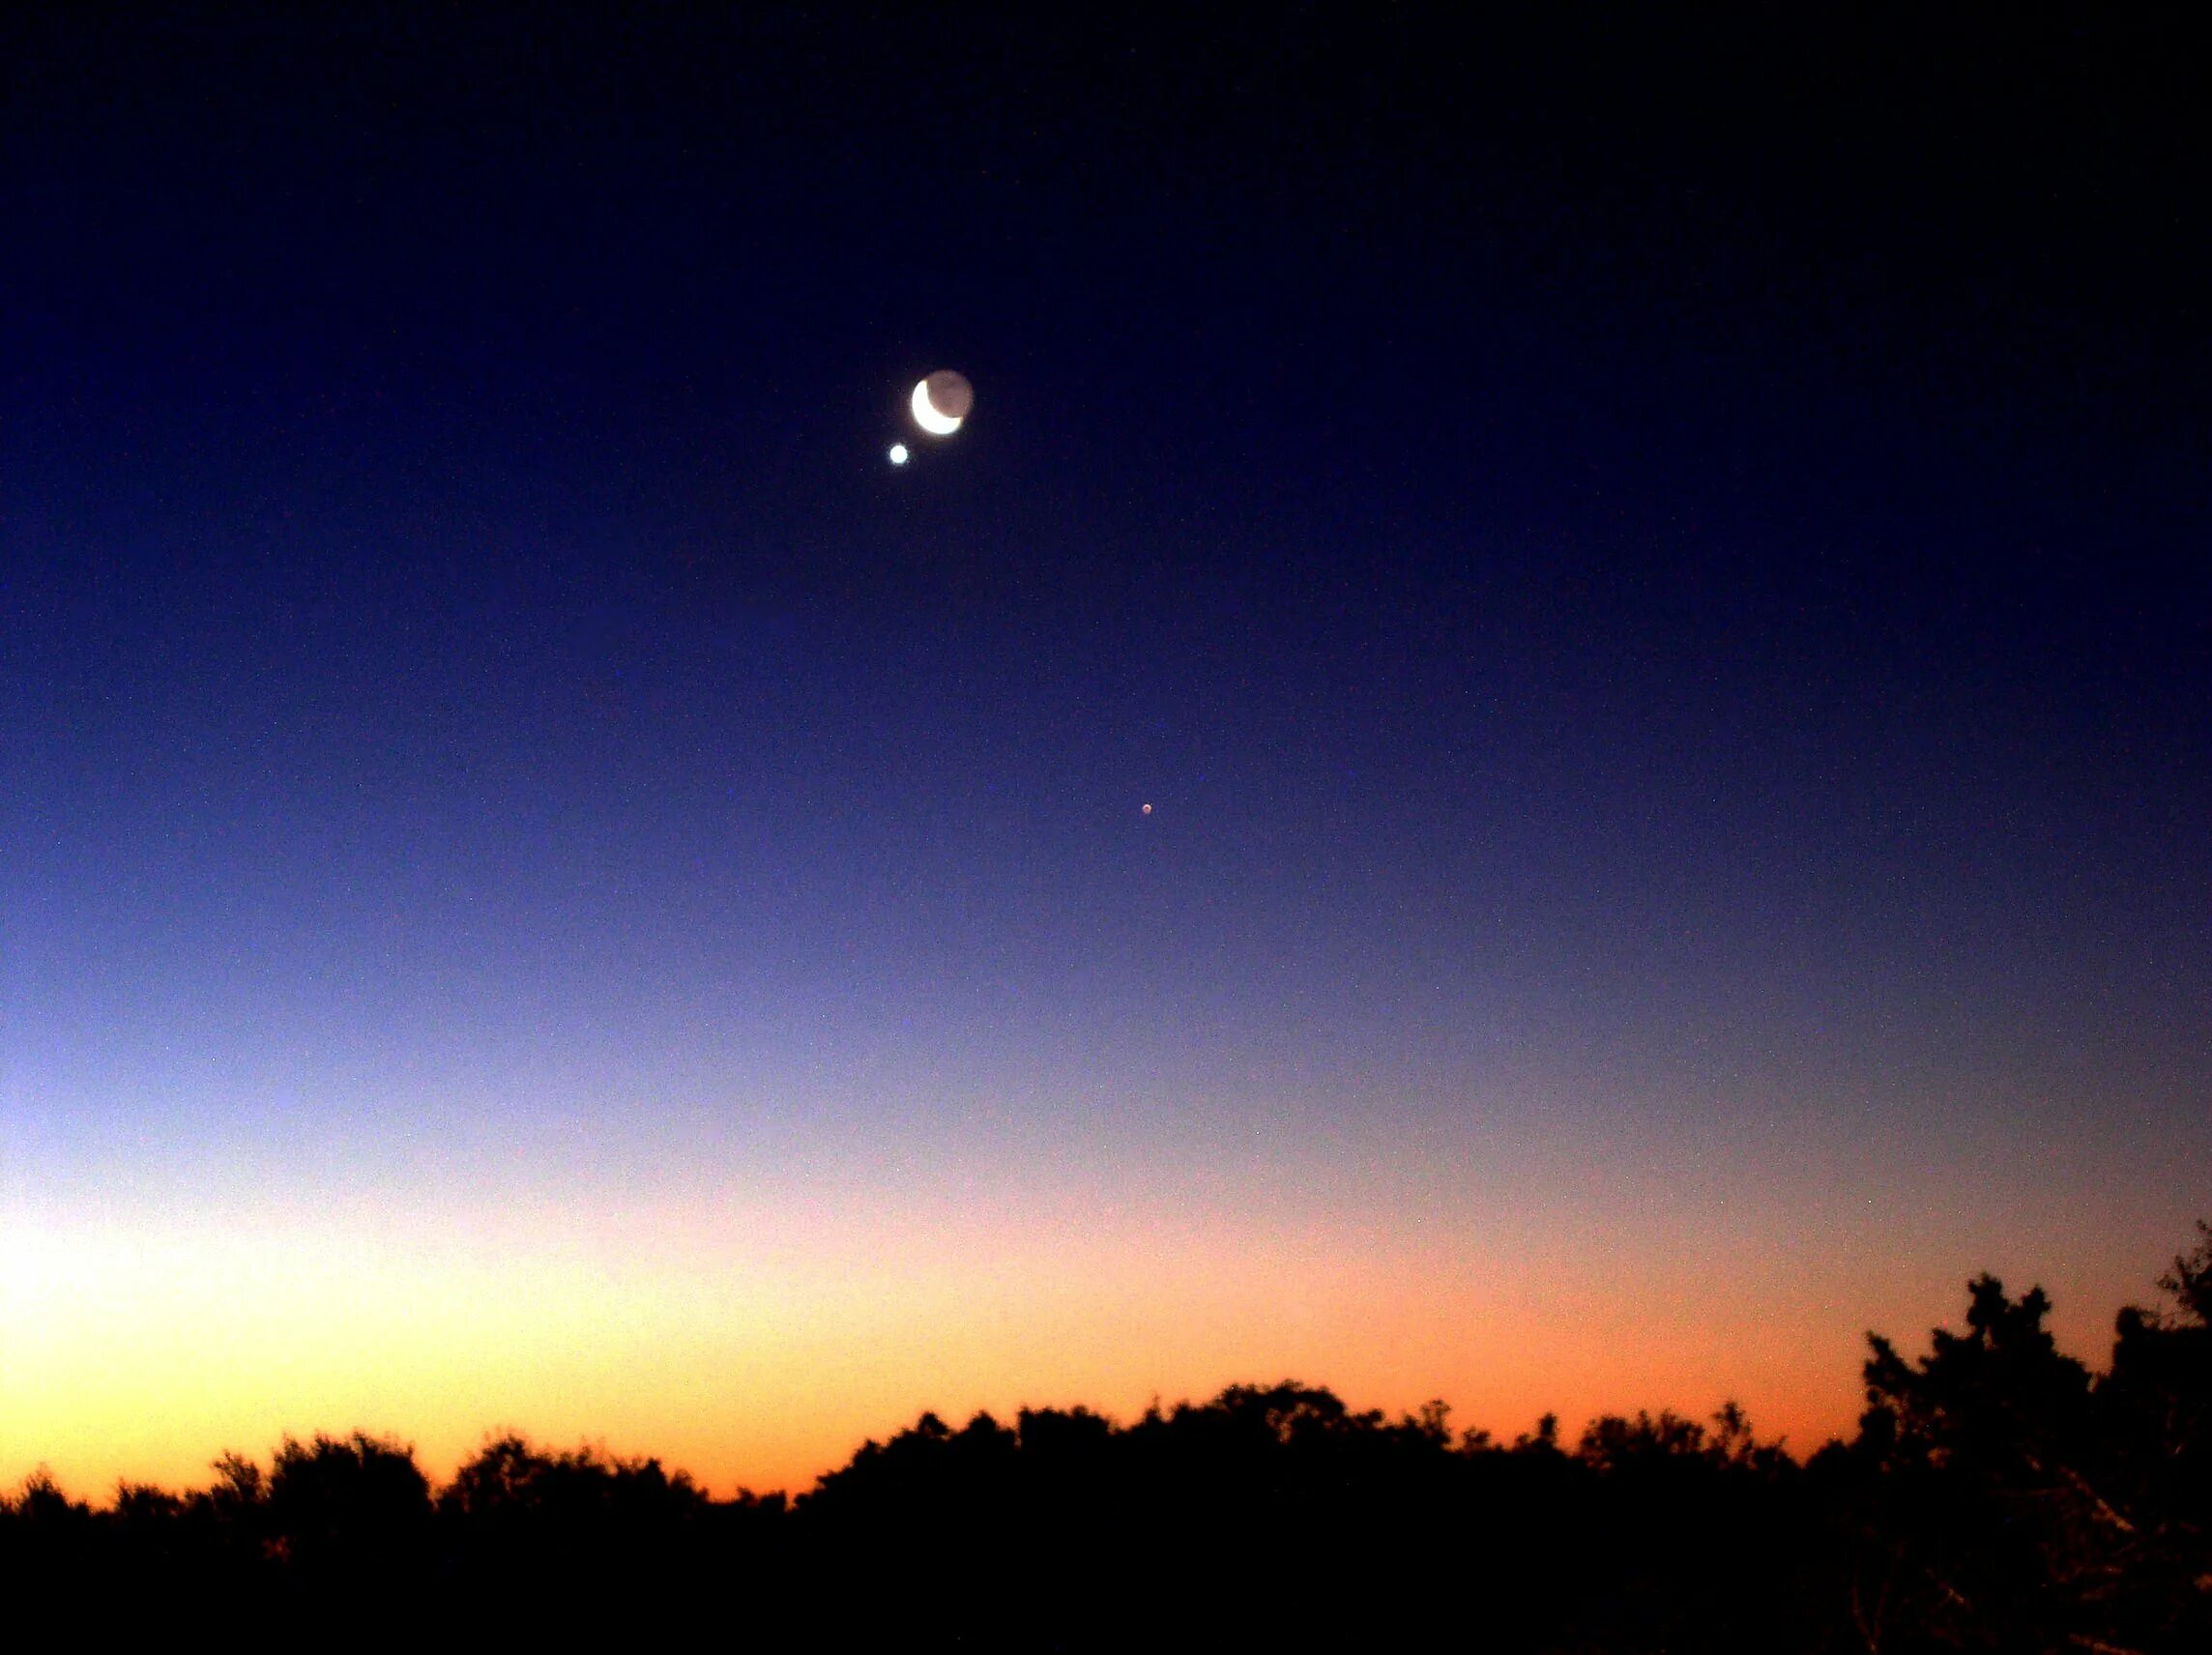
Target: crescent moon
{"x":927,"y":416}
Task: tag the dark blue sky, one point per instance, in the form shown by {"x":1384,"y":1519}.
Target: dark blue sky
{"x":1656,"y":582}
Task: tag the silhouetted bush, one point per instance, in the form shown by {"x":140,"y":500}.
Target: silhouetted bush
{"x":1998,"y":1495}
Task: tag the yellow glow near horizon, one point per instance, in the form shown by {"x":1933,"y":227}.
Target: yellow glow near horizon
{"x":142,"y":1354}
{"x":754,"y":1327}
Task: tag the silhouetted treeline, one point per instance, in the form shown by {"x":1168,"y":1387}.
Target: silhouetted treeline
{"x":1997,"y":1496}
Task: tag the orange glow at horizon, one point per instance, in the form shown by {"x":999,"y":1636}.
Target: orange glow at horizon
{"x":762,"y":1354}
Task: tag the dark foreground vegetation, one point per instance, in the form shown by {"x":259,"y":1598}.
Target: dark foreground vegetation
{"x":1997,"y":1496}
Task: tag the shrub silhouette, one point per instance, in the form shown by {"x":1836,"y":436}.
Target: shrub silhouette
{"x":1998,"y":1495}
{"x":354,"y":1509}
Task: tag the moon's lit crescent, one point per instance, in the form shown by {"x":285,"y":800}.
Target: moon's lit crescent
{"x":927,"y":416}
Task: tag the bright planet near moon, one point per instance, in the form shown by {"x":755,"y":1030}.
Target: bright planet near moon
{"x":899,"y":453}
{"x":942,"y":401}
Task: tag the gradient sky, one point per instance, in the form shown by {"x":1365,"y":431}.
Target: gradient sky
{"x":1657,"y":587}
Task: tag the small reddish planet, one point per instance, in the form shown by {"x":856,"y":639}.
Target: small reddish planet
{"x":942,"y":401}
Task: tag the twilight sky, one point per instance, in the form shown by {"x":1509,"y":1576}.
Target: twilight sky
{"x":1657,"y":585}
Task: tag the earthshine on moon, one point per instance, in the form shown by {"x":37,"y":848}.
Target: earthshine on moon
{"x":942,"y":401}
